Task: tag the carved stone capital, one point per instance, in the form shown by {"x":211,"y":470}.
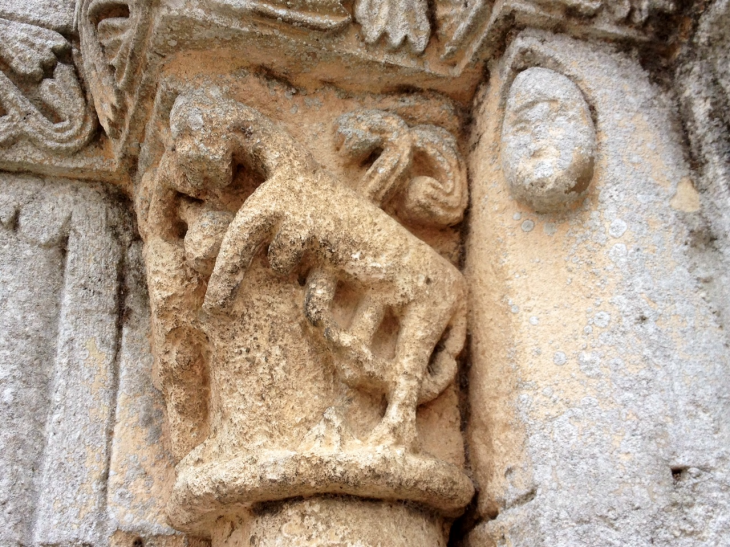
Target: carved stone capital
{"x":299,"y":343}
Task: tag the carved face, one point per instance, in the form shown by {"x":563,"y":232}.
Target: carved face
{"x":203,"y":157}
{"x":548,"y":140}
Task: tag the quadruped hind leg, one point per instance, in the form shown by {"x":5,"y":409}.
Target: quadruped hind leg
{"x":422,"y":326}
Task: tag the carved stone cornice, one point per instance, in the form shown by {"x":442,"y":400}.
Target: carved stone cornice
{"x":125,"y":44}
{"x":45,"y":119}
{"x":440,"y":46}
{"x":484,"y":27}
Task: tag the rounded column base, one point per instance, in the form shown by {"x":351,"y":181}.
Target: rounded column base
{"x":332,"y":521}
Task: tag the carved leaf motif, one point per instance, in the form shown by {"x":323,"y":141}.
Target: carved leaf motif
{"x":114,"y":36}
{"x":40,"y":98}
{"x":30,"y":51}
{"x":112,"y":32}
{"x":398,"y":20}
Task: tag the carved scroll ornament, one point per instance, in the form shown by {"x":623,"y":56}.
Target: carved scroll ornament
{"x":203,"y":288}
{"x":41,"y":100}
{"x":112,"y":34}
{"x":437,"y":195}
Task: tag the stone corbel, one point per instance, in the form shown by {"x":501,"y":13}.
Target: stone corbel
{"x":298,"y":327}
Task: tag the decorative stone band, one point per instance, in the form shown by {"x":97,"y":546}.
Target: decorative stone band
{"x":41,"y":100}
{"x":205,"y":491}
{"x":486,"y":22}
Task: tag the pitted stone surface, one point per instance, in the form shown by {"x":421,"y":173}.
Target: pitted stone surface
{"x":621,"y":386}
{"x":64,"y":331}
{"x":53,"y":14}
{"x":295,"y":374}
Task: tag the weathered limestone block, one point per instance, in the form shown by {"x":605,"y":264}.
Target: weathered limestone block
{"x":73,"y":358}
{"x":75,"y":466}
{"x":703,"y":86}
{"x":32,"y":273}
{"x":299,"y":372}
{"x":599,"y":375}
{"x":67,"y":397}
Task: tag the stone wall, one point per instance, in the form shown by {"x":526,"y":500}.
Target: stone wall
{"x":611,"y":366}
{"x":83,"y":443}
{"x":383,"y":272}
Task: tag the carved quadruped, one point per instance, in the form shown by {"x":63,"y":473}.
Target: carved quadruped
{"x":215,"y":294}
{"x":41,"y":99}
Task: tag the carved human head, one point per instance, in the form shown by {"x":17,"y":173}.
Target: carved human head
{"x":204,"y":159}
{"x":548,"y":140}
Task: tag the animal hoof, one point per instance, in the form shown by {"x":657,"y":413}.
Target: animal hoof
{"x":395,"y":435}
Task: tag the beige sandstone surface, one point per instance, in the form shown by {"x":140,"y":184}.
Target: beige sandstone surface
{"x":371,"y":273}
